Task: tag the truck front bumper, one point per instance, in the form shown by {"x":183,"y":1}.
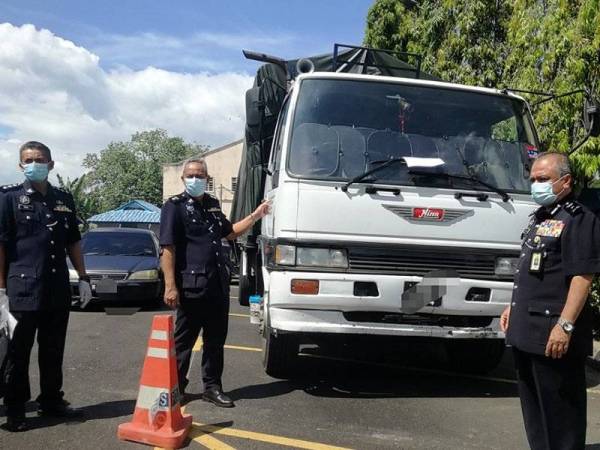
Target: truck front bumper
{"x":336,"y":309}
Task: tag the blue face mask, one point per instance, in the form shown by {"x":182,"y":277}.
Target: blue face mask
{"x":195,"y":186}
{"x":542,"y":193}
{"x":36,"y":172}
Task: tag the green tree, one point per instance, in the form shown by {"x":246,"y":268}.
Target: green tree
{"x":551,"y":45}
{"x":133,"y":169}
{"x":85,"y":204}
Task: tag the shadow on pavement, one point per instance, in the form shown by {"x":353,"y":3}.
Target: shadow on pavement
{"x":265,"y":390}
{"x":343,"y":379}
{"x":106,"y":410}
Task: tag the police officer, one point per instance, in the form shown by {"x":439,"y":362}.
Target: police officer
{"x":38,"y":229}
{"x":549,"y":322}
{"x":197,"y":277}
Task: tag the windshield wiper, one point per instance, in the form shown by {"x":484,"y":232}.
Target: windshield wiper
{"x":96,"y":254}
{"x":362,"y":176}
{"x":502,"y":193}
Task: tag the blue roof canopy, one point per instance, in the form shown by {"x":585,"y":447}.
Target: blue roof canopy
{"x":134,"y":211}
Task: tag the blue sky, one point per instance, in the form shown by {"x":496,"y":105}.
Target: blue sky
{"x":194,"y":35}
{"x":78,"y":75}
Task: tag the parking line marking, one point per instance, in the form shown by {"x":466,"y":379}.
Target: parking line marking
{"x":203,"y":438}
{"x":268,"y":438}
{"x":198,"y":346}
{"x":239,"y":315}
{"x":247,"y":349}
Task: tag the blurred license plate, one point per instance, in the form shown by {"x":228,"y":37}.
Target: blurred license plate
{"x":106,"y":286}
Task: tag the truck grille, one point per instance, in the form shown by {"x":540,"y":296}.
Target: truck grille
{"x":410,"y":261}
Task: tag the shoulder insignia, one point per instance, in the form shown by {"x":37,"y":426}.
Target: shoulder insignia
{"x":573,"y":208}
{"x":10,"y":187}
{"x":176,"y":199}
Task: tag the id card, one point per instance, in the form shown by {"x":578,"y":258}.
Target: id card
{"x":536,"y":262}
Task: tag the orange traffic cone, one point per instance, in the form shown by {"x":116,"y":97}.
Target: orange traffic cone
{"x":157,"y":419}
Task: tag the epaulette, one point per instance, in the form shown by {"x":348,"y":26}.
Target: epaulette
{"x":10,"y":187}
{"x":176,"y":199}
{"x":573,"y":208}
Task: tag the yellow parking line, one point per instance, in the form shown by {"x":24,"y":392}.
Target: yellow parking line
{"x":239,"y":347}
{"x":268,"y":438}
{"x":201,"y":437}
{"x":239,"y":315}
{"x":198,"y":346}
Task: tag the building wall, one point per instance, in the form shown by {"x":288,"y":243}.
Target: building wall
{"x":223,"y":165}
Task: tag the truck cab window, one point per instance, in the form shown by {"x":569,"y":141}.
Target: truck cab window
{"x":342,"y":128}
{"x":275,"y":164}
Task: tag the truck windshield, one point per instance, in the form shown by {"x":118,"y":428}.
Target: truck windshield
{"x":342,"y":128}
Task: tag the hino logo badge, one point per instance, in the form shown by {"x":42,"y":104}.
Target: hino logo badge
{"x":436,"y":214}
{"x":423,"y":214}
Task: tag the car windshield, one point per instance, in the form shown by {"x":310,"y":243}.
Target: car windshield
{"x":118,"y":244}
{"x":343,"y":128}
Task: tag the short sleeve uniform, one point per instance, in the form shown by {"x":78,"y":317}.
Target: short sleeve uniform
{"x":195,"y":228}
{"x":559,"y":243}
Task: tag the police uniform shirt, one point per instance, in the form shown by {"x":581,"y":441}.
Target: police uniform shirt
{"x":196,"y":228}
{"x":560,"y":242}
{"x":36,"y":231}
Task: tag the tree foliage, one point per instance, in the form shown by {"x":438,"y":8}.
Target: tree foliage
{"x":550,"y":45}
{"x":86,"y":205}
{"x":133,"y":169}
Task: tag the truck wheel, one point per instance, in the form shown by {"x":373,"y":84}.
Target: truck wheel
{"x":280,"y":355}
{"x":244,"y":290}
{"x":475,"y":356}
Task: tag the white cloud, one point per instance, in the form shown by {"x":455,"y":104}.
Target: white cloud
{"x":198,"y":51}
{"x":56,"y":92}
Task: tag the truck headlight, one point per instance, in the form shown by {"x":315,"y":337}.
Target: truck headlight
{"x":285,"y":255}
{"x":321,"y":257}
{"x":73,"y":275}
{"x":506,"y":266}
{"x":144,"y":275}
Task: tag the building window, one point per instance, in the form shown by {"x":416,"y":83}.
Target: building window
{"x":210,"y":185}
{"x":234,"y":184}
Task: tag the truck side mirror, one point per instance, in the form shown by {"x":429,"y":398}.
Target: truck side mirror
{"x":591,"y":116}
{"x":254,"y":107}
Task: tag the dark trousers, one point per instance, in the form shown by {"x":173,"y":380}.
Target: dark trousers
{"x":51,"y":328}
{"x":210,"y":314}
{"x":553,"y":399}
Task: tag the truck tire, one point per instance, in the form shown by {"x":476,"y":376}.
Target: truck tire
{"x":280,"y":355}
{"x":475,"y":356}
{"x":244,"y":290}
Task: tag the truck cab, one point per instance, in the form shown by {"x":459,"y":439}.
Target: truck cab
{"x":397,"y":210}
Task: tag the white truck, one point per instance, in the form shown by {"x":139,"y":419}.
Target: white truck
{"x":397,"y":209}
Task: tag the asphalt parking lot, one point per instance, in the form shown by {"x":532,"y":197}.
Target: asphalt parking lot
{"x":407,"y":399}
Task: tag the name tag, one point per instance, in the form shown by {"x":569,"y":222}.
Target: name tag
{"x":62,"y":208}
{"x":550,"y":228}
{"x":535,"y":264}
{"x":214,"y":210}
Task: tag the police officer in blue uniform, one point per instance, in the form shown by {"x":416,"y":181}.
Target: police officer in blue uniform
{"x":38,"y":229}
{"x":197,"y":275}
{"x":549,"y":322}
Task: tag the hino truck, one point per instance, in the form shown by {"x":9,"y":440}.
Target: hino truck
{"x":397,"y":204}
